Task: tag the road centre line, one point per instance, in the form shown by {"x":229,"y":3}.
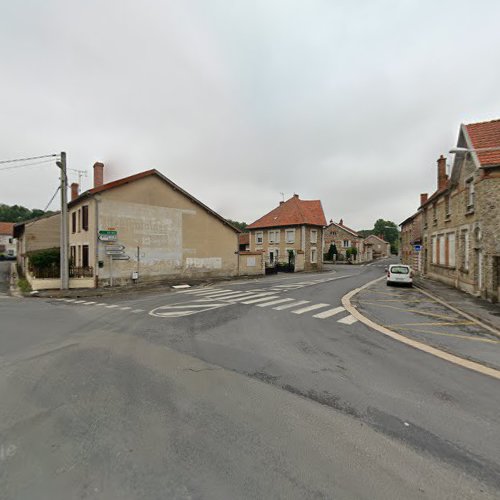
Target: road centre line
{"x":294,"y":304}
{"x":330,"y":312}
{"x":273,"y":302}
{"x":310,"y":308}
{"x":124,"y":308}
{"x":262,"y":299}
{"x":79,"y":301}
{"x":111,"y":306}
{"x":88,"y":303}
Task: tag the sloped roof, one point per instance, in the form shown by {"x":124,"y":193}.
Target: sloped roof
{"x":142,"y":175}
{"x":485,"y":135}
{"x":378,"y":238}
{"x":7,"y":228}
{"x":244,"y":238}
{"x":342,"y":226}
{"x":293,"y":212}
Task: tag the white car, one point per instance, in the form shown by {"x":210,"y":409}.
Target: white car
{"x":399,"y":273}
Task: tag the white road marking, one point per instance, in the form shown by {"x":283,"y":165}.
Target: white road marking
{"x":310,"y":308}
{"x":330,"y":312}
{"x":137,"y":310}
{"x":79,"y":301}
{"x":254,"y":296}
{"x":293,"y":304}
{"x":88,"y":303}
{"x":262,"y":299}
{"x":102,"y":304}
{"x":184,"y":309}
{"x":212,"y":293}
{"x":229,"y":296}
{"x":124,"y":308}
{"x":273,"y":302}
{"x":348,"y":320}
{"x":110,"y":307}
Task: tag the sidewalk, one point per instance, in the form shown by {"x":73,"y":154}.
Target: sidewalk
{"x":478,"y":308}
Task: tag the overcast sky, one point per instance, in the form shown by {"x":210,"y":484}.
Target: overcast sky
{"x":236,"y":101}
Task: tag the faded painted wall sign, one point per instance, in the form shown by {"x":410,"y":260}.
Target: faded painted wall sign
{"x":207,"y":263}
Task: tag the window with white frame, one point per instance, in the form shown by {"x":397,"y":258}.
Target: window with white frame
{"x":259,"y":238}
{"x":470,"y":193}
{"x":451,"y":249}
{"x":346,"y":243}
{"x":290,"y":235}
{"x":314,"y":255}
{"x":442,"y":249}
{"x":314,"y":235}
{"x":274,"y":236}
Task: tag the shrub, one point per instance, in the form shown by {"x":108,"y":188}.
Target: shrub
{"x":42,"y":259}
{"x":24,"y":285}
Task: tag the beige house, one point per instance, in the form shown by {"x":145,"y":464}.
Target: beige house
{"x":461,"y":220}
{"x":380,"y":247}
{"x":343,"y":237}
{"x":145,"y":227}
{"x":411,"y":248}
{"x":291,"y":233}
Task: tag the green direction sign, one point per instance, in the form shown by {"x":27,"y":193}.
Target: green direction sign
{"x":109,"y":232}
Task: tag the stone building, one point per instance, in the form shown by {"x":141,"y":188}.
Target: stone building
{"x":7,"y":241}
{"x":345,"y":238}
{"x":461,"y":220}
{"x":380,"y":247}
{"x":411,"y":248}
{"x":292,"y":231}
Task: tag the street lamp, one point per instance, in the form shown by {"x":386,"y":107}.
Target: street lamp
{"x":473,"y":150}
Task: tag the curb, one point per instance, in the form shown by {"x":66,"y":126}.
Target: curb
{"x":452,"y":358}
{"x":472,"y":317}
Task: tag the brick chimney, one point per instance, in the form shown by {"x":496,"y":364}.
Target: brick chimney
{"x":341,"y":222}
{"x":98,"y":174}
{"x":423,"y":198}
{"x":74,"y":191}
{"x":442,"y":177}
{"x":296,"y":196}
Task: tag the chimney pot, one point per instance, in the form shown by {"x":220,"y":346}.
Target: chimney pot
{"x":74,"y":191}
{"x":281,"y":202}
{"x":296,"y":196}
{"x":98,"y":174}
{"x":341,"y":222}
{"x":441,"y":173}
{"x":423,"y":198}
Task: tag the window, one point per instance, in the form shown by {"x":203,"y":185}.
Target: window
{"x":434,"y":252}
{"x":79,"y":226}
{"x":85,"y":217}
{"x":470,"y":194}
{"x":259,"y":238}
{"x":465,"y":250}
{"x":314,"y":255}
{"x":85,"y":256}
{"x":447,"y":209}
{"x":442,"y":249}
{"x":314,"y":235}
{"x":346,"y":243}
{"x":451,"y":249}
{"x":73,"y":222}
{"x":290,"y":235}
{"x":72,"y":253}
{"x":434,"y":212}
{"x":274,"y":236}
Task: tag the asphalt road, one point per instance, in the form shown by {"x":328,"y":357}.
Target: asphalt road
{"x":4,"y":276}
{"x":235,"y":391}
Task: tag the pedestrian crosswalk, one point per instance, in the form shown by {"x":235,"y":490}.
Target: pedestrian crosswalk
{"x":270,"y":298}
{"x":206,"y":299}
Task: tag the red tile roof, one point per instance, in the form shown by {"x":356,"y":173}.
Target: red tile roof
{"x":7,"y":228}
{"x":293,"y":212}
{"x":244,"y":238}
{"x":486,"y":135}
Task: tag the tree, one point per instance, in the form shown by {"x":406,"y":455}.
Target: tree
{"x":18,"y":213}
{"x":242,"y":226}
{"x":332,"y":251}
{"x":389,"y":231}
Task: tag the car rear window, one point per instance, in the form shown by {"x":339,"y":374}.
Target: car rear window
{"x":400,"y":270}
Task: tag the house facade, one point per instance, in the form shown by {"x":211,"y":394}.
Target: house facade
{"x":7,"y":241}
{"x":461,"y":220}
{"x":379,"y":247}
{"x":411,"y":241}
{"x":293,"y":231}
{"x":344,"y":238}
{"x":145,"y":227}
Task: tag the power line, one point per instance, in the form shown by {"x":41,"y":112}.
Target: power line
{"x":28,"y":165}
{"x":29,"y":158}
{"x":52,"y":199}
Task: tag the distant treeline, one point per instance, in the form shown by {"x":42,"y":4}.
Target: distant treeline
{"x":18,"y":213}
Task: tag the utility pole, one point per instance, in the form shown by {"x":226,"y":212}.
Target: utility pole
{"x":64,"y":264}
